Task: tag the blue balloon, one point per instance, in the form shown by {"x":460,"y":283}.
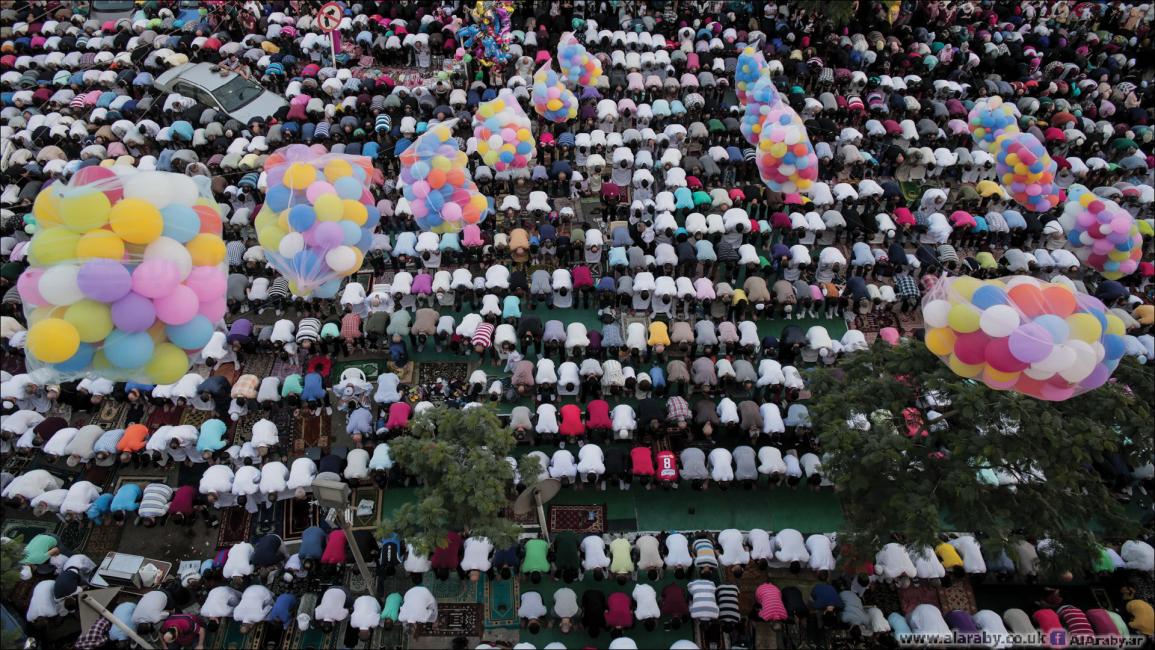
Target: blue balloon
{"x":328,"y":289}
{"x":419,"y":170}
{"x":366,"y":241}
{"x":302,"y":217}
{"x":359,"y":173}
{"x":348,"y":188}
{"x":278,"y":197}
{"x":1056,"y":326}
{"x":1113,"y":346}
{"x":373,"y":218}
{"x":180,"y":222}
{"x":127,"y":350}
{"x":192,"y":335}
{"x":988,"y":296}
{"x":351,"y":233}
{"x":433,"y":220}
{"x":79,"y":361}
{"x":436,"y":201}
{"x":308,"y":265}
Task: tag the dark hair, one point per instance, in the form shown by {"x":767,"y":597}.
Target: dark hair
{"x":795,"y":567}
{"x":534,"y":627}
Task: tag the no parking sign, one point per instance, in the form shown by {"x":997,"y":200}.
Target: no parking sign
{"x":328,"y":19}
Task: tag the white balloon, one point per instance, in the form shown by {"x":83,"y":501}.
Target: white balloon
{"x":1021,"y":279}
{"x":291,"y":244}
{"x":341,"y":259}
{"x":936,"y":313}
{"x":184,"y":189}
{"x":1058,"y":360}
{"x":59,"y":285}
{"x":167,"y":248}
{"x":999,"y":320}
{"x":1082,"y":362}
{"x":157,"y":188}
{"x":1040,"y":375}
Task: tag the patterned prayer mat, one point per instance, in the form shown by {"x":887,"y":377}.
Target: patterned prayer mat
{"x":870,"y":324}
{"x":111,"y":415}
{"x":453,"y":589}
{"x":371,"y":367}
{"x":456,"y":619}
{"x":26,"y":529}
{"x":101,"y":541}
{"x":286,"y":427}
{"x":161,"y":417}
{"x":283,"y":368}
{"x":242,"y":430}
{"x":588,"y":520}
{"x":885,"y":597}
{"x":234,"y":526}
{"x":501,"y":601}
{"x":260,"y":365}
{"x":915,"y":595}
{"x":316,"y":431}
{"x":297,"y":516}
{"x":228,"y":637}
{"x":960,"y":595}
{"x":73,"y":535}
{"x":371,"y":493}
{"x":430,"y":371}
{"x":196,"y":417}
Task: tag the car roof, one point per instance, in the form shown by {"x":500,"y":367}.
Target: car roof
{"x":202,"y":75}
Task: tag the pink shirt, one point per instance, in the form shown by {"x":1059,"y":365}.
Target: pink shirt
{"x":770,"y":603}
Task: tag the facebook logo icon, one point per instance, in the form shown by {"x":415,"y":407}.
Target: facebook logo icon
{"x":1057,"y":638}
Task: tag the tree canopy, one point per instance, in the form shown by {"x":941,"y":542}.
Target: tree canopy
{"x":975,"y":459}
{"x":461,"y":457}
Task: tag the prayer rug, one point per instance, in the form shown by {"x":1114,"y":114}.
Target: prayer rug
{"x":162,"y":417}
{"x":196,"y":417}
{"x":528,"y":519}
{"x":228,"y":637}
{"x":260,"y":365}
{"x":501,"y":600}
{"x":371,"y":493}
{"x":587,"y":520}
{"x":96,"y":474}
{"x":885,"y":597}
{"x":910,"y":321}
{"x":73,"y":535}
{"x":315,"y":431}
{"x":960,"y":595}
{"x":283,"y":368}
{"x":456,"y":619}
{"x":234,"y":526}
{"x":243,"y":428}
{"x":296,"y":515}
{"x":405,"y":374}
{"x":915,"y":595}
{"x":870,"y":324}
{"x":111,"y":415}
{"x":453,"y":589}
{"x":371,"y":367}
{"x":26,"y":529}
{"x":103,"y":540}
{"x":430,"y":371}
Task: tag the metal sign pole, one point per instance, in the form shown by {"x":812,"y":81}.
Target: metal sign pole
{"x":356,"y":549}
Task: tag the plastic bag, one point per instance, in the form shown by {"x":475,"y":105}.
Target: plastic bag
{"x":437,"y":185}
{"x":504,"y":134}
{"x":551,"y":99}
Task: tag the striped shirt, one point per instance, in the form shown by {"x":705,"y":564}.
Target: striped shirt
{"x":382,"y":123}
{"x":727,"y":597}
{"x":1075,"y":621}
{"x":703,"y":603}
{"x":484,"y":335}
{"x":309,"y":329}
{"x":770,"y":607}
{"x":351,"y":326}
{"x":704,"y":554}
{"x":235,"y":250}
{"x":322,"y":131}
{"x":279,"y":288}
{"x":155,"y":500}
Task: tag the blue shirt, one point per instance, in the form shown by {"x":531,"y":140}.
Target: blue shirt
{"x":283,"y":609}
{"x":824,"y":595}
{"x":127,"y":498}
{"x":212,"y":436}
{"x":314,"y":389}
{"x":106,"y":443}
{"x":360,"y":421}
{"x":99,"y":508}
{"x":312,"y":543}
{"x":124,"y":612}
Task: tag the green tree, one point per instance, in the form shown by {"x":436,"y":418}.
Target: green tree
{"x":11,"y":553}
{"x":945,"y":477}
{"x":839,"y":12}
{"x":460,"y":457}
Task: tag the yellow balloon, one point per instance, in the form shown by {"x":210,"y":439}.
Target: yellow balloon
{"x":1087,"y":199}
{"x":283,"y":221}
{"x":100,"y":361}
{"x":1118,"y":255}
{"x":963,"y":318}
{"x":553,"y":104}
{"x":168,"y":364}
{"x":270,"y":237}
{"x":1115,"y":325}
{"x":85,"y":211}
{"x":92,"y":320}
{"x":53,"y":246}
{"x":1085,"y":327}
{"x":328,"y":207}
{"x":360,"y":259}
{"x":337,"y":168}
{"x":206,"y":250}
{"x":441,"y":162}
{"x":136,"y":221}
{"x":355,"y":211}
{"x":100,"y":244}
{"x":777,"y":149}
{"x":999,"y":376}
{"x":157,"y":332}
{"x":479,"y":201}
{"x":46,"y":209}
{"x":299,"y":175}
{"x":966,"y":370}
{"x":965,"y":286}
{"x":53,"y":340}
{"x":265,"y":218}
{"x":940,"y":340}
{"x":47,"y":311}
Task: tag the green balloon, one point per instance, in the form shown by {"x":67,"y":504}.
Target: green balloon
{"x":467,"y":58}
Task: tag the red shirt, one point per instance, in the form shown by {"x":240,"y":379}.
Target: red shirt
{"x":642,"y":461}
{"x":667,"y":466}
{"x":398,"y":415}
{"x":1047,"y":620}
{"x":618,"y":613}
{"x":334,"y":548}
{"x":185,"y":626}
{"x":582,"y":277}
{"x":571,"y":421}
{"x":447,"y":557}
{"x":674,"y":601}
{"x":182,"y":500}
{"x":598,"y":415}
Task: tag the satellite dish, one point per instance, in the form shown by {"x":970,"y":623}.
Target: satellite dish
{"x":535,"y":497}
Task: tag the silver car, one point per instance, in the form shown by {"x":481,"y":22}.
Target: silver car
{"x":230,"y":93}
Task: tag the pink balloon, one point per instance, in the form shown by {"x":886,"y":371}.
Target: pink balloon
{"x":1121,"y":225}
{"x":419,"y":209}
{"x":451,"y":212}
{"x":178,"y":307}
{"x":317,"y":189}
{"x":420,"y":189}
{"x":207,"y":282}
{"x":553,"y":93}
{"x":27,"y":283}
{"x":214,"y":310}
{"x":155,"y":278}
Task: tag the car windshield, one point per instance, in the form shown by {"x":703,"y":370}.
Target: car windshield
{"x":236,"y":93}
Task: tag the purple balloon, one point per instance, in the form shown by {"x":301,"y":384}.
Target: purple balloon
{"x":1097,"y":378}
{"x":133,"y":313}
{"x":155,"y":278}
{"x":328,"y":235}
{"x":104,"y":280}
{"x":1031,"y":342}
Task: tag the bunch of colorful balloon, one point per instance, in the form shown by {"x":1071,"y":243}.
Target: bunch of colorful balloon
{"x":551,"y":99}
{"x":318,"y":219}
{"x":749,"y":70}
{"x":127,"y":277}
{"x":1103,"y":235}
{"x":1023,"y":334}
{"x":785,"y":158}
{"x":436,"y":183}
{"x":504,"y":136}
{"x":578,"y":67}
{"x":761,"y":98}
{"x":1027,"y":171}
{"x":990,"y":118}
{"x":488,"y":37}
